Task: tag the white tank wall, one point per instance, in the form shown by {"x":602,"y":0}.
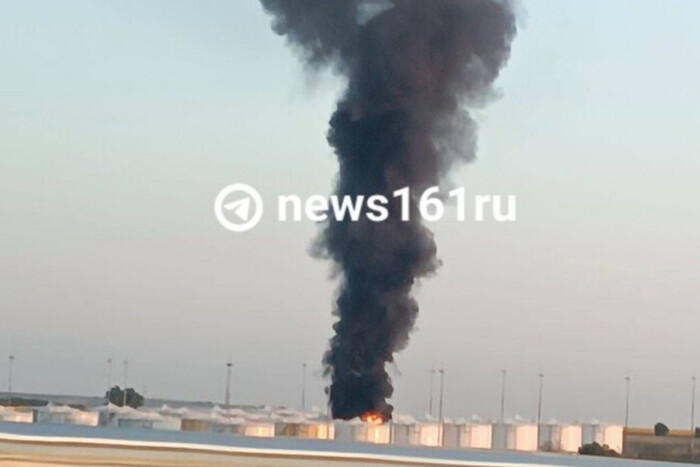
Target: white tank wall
{"x":451,"y":435}
{"x":134,"y":423}
{"x":570,"y":438}
{"x":550,"y":437}
{"x":350,"y":432}
{"x":591,"y":433}
{"x":613,"y":437}
{"x":260,"y":430}
{"x":503,"y":436}
{"x":12,"y":414}
{"x":481,"y":436}
{"x":464,"y":436}
{"x":326,"y":431}
{"x":526,"y":438}
{"x":168,"y":423}
{"x":66,"y":417}
{"x":85,"y":418}
{"x":378,"y":434}
{"x":402,"y":434}
{"x":45,"y":416}
{"x":428,"y":434}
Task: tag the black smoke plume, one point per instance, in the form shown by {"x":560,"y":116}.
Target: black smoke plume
{"x":413,"y":67}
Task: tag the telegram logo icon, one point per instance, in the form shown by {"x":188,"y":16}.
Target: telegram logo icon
{"x":238,"y":207}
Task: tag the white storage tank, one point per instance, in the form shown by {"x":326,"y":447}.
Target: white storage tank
{"x":134,"y":423}
{"x":50,"y":414}
{"x":426,"y":434}
{"x":402,"y":434}
{"x":326,"y":430}
{"x":303,"y":428}
{"x":480,"y":436}
{"x":356,"y":431}
{"x":83,"y":417}
{"x":111,"y":415}
{"x":570,"y":438}
{"x":613,"y":437}
{"x":452,"y":434}
{"x":62,"y":414}
{"x":549,"y":439}
{"x":226,"y":424}
{"x":167,"y":424}
{"x":352,"y":431}
{"x":403,"y":431}
{"x":17,"y":414}
{"x":503,"y":435}
{"x":526,"y":437}
{"x":259,"y":429}
{"x":591,"y":432}
{"x":378,"y":433}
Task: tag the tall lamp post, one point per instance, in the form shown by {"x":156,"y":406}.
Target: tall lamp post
{"x":303,"y":386}
{"x":126,"y":374}
{"x":10,"y":360}
{"x":692,"y":417}
{"x":109,"y":374}
{"x":432,"y":386}
{"x":627,"y":401}
{"x":227,"y":394}
{"x":503,"y":395}
{"x":442,"y":393}
{"x":539,"y":407}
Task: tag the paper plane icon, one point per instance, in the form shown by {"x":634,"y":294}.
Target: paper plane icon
{"x":240,"y":208}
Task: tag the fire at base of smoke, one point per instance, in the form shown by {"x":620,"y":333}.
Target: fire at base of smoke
{"x":431,"y":206}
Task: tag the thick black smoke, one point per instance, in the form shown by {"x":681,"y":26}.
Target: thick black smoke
{"x":412,"y":67}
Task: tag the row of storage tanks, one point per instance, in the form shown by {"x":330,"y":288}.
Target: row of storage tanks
{"x":517,"y":434}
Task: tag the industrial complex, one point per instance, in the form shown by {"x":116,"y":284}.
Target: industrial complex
{"x":109,"y":435}
{"x":268,"y":422}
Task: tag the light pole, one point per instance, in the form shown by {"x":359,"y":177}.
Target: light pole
{"x":503,"y":395}
{"x":692,"y":417}
{"x":11,"y":360}
{"x":126,"y":374}
{"x":627,"y":400}
{"x":303,"y":386}
{"x":109,"y":374}
{"x":227,"y":394}
{"x":442,"y":393}
{"x":539,"y":407}
{"x":432,"y":387}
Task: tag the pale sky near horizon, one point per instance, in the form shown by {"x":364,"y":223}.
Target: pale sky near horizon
{"x":120,"y":122}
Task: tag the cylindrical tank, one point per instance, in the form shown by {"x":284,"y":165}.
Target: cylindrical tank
{"x":503,"y":436}
{"x":401,"y":434}
{"x":259,"y":430}
{"x":481,"y":436}
{"x":570,"y":438}
{"x":451,"y":435}
{"x":526,"y":437}
{"x":612,"y":436}
{"x":350,"y":432}
{"x":549,"y":437}
{"x":427,"y":434}
{"x":378,"y":434}
{"x":190,"y":424}
{"x":591,"y":433}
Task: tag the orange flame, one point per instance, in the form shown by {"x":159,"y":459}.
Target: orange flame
{"x":372,"y":418}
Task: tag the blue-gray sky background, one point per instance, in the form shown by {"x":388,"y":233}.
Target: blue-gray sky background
{"x":120,"y":121}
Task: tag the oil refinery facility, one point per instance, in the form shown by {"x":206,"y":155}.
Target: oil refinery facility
{"x":268,"y":422}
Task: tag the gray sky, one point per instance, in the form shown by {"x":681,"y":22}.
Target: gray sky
{"x":121,"y":121}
